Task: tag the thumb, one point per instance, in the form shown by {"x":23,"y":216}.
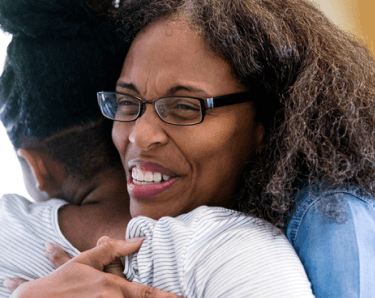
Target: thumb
{"x":56,"y":254}
{"x":107,"y":252}
{"x":13,"y":283}
{"x":116,"y":267}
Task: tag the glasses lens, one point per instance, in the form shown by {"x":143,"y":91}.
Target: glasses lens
{"x":179,"y":110}
{"x":117,"y":106}
{"x":127,"y":107}
{"x":106,"y":103}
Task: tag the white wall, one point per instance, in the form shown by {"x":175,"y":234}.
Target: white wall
{"x":10,"y":172}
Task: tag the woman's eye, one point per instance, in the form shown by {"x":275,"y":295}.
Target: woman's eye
{"x":185,"y":105}
{"x":179,"y":110}
{"x":125,"y":101}
{"x":127,"y":105}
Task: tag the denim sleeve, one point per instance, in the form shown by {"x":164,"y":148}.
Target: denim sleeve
{"x":334,"y":236}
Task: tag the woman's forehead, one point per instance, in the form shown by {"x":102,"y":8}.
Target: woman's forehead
{"x":169,"y":53}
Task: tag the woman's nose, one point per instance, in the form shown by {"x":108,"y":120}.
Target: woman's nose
{"x":147,"y":131}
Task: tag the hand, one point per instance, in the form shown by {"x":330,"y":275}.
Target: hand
{"x":58,"y":257}
{"x":83,"y":277}
{"x":54,"y":253}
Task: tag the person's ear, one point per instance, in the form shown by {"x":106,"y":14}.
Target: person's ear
{"x":259,"y":137}
{"x":38,"y":166}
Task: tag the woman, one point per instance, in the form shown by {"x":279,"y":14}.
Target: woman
{"x":310,"y":122}
{"x":176,"y":160}
{"x":312,"y":88}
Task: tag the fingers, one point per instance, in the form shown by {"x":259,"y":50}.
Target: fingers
{"x":115,"y":268}
{"x":13,"y":283}
{"x":108,"y":251}
{"x":134,"y":290}
{"x":102,"y":240}
{"x":56,"y":254}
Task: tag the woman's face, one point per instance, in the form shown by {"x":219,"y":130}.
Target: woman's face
{"x":201,"y":163}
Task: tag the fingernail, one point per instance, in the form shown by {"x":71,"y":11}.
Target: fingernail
{"x":48,"y":247}
{"x":135,"y":239}
{"x":102,"y":240}
{"x":5,"y":282}
{"x":10,"y":284}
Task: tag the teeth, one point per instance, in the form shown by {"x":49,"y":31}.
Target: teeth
{"x":148,"y":177}
{"x":141,"y":178}
{"x":157,"y":177}
{"x":134,"y":173}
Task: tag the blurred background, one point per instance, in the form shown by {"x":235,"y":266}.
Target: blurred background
{"x":353,"y":16}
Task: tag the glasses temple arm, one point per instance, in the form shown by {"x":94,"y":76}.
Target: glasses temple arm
{"x":220,"y":101}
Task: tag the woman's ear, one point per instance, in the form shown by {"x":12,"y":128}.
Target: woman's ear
{"x":38,"y":166}
{"x":259,"y":137}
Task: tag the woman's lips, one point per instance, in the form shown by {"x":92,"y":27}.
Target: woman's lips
{"x":150,"y":166}
{"x":147,"y":179}
{"x":148,"y":191}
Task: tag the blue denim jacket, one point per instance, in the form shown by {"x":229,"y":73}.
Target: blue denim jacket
{"x":333,"y":233}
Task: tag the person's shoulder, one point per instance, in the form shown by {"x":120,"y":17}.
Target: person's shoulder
{"x":242,"y":255}
{"x":216,"y":222}
{"x":210,"y":247}
{"x":198,"y":219}
{"x":217,"y":225}
{"x":7,"y":199}
{"x":216,"y":233}
{"x":322,"y":191}
{"x":329,"y":208}
{"x":20,"y":218}
{"x":335,"y":204}
{"x":333,"y":231}
{"x":21,"y":206}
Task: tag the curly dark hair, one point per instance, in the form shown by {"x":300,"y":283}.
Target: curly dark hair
{"x":60,"y":55}
{"x":314,"y":91}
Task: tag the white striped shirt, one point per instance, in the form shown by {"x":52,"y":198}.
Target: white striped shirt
{"x":215,"y":252}
{"x":210,"y":252}
{"x":24,"y":229}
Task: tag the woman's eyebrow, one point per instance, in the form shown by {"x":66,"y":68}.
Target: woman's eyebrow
{"x":127,"y":86}
{"x":173,"y":90}
{"x":170,"y":92}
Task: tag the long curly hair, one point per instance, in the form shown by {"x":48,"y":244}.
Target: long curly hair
{"x":313,"y":87}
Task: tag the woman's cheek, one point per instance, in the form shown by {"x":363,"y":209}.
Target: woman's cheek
{"x":120,"y":138}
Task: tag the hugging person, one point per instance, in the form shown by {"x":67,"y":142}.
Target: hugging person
{"x":71,"y":168}
{"x":263,"y":108}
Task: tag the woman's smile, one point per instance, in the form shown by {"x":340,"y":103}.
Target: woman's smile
{"x":147,"y":179}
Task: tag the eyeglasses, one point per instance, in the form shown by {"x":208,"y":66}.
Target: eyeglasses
{"x":176,"y":110}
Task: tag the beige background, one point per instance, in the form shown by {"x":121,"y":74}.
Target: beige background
{"x":355,"y":16}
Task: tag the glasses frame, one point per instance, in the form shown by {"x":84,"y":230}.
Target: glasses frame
{"x":206,"y":103}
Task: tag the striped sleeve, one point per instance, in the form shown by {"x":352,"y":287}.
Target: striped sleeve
{"x":215,"y":252}
{"x":24,"y":229}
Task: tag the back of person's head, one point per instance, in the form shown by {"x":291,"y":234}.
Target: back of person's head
{"x":313,"y":89}
{"x":83,"y":149}
{"x":62,"y":53}
{"x":71,"y":159}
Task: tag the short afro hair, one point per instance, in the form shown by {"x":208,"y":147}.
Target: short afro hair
{"x":61,"y":54}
